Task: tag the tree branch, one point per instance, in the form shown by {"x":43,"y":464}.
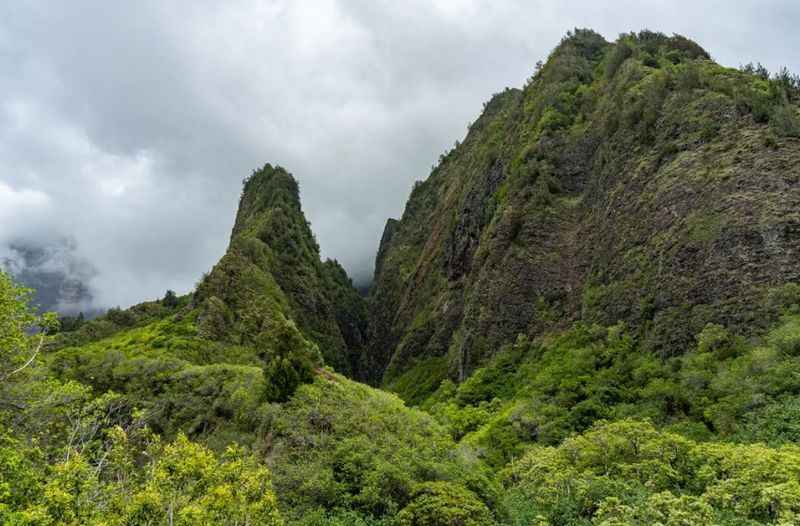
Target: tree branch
{"x":30,"y":360}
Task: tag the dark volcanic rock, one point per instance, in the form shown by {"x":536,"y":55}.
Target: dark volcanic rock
{"x":643,"y":187}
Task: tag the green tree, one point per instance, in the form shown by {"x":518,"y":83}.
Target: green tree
{"x":444,"y":504}
{"x":22,"y":329}
{"x":170,"y":299}
{"x":289,"y":360}
{"x":189,"y":485}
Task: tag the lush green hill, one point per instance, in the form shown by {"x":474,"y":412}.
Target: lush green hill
{"x":272,"y":271}
{"x":636,"y":181}
{"x":591,"y":304}
{"x":97,"y":427}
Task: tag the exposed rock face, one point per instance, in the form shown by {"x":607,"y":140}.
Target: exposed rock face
{"x":633,"y":182}
{"x":472,"y":218}
{"x":386,"y":239}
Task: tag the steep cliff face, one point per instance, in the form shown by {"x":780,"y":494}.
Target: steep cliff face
{"x":272,"y":272}
{"x":636,"y":181}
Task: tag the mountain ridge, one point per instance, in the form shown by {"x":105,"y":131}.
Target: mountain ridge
{"x":592,"y":304}
{"x":612,"y":187}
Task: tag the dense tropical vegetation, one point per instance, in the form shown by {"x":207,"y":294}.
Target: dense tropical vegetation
{"x":515,"y":379}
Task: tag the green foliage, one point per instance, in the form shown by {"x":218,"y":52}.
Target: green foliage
{"x":619,"y":54}
{"x":17,"y":319}
{"x":20,"y":477}
{"x":289,"y":361}
{"x":775,"y":423}
{"x":660,"y":508}
{"x":444,"y":504}
{"x":114,"y":321}
{"x":784,"y":121}
{"x":784,"y":299}
{"x":715,"y":339}
{"x":70,"y":323}
{"x":180,"y":483}
{"x":170,"y":299}
{"x":628,"y":472}
{"x":420,"y":379}
{"x":339,"y":444}
{"x":552,"y":120}
{"x":542,"y":392}
{"x":178,"y":380}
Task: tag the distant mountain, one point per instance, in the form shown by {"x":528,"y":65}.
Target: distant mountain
{"x":58,"y":276}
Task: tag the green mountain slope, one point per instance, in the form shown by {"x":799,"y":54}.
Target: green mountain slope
{"x":225,"y":366}
{"x":271,"y":273}
{"x":635,"y":181}
{"x":592,"y":302}
{"x":272,"y":270}
{"x":266,"y":315}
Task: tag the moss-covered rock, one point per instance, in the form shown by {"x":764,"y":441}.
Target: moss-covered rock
{"x":272,"y":272}
{"x":636,"y":181}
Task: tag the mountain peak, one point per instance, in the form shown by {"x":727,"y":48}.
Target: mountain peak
{"x":266,"y":189}
{"x":272,"y":271}
{"x":635,"y":182}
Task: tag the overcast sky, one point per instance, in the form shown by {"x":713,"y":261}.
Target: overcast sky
{"x":127,"y":127}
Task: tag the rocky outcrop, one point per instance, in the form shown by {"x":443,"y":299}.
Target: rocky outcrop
{"x":472,"y":217}
{"x":386,"y":239}
{"x":633,"y":182}
{"x":272,"y":272}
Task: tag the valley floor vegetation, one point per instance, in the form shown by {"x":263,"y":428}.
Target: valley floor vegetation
{"x":581,"y":427}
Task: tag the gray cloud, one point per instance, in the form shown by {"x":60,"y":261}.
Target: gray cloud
{"x":58,"y":277}
{"x":129,"y":127}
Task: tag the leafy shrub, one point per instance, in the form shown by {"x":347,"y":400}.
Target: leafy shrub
{"x":628,"y":472}
{"x":339,"y":444}
{"x":552,"y":120}
{"x":170,"y":299}
{"x":180,"y":483}
{"x":784,"y":121}
{"x":289,"y":360}
{"x":619,"y":54}
{"x":542,"y":393}
{"x":784,"y":299}
{"x":444,"y":504}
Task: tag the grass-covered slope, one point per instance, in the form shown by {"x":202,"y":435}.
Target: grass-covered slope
{"x":636,"y":181}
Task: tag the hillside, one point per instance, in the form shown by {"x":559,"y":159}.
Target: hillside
{"x":636,"y":181}
{"x":589,"y":314}
{"x":237,"y":380}
{"x":272,"y":270}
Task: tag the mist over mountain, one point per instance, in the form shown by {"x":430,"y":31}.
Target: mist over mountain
{"x":60,"y":278}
